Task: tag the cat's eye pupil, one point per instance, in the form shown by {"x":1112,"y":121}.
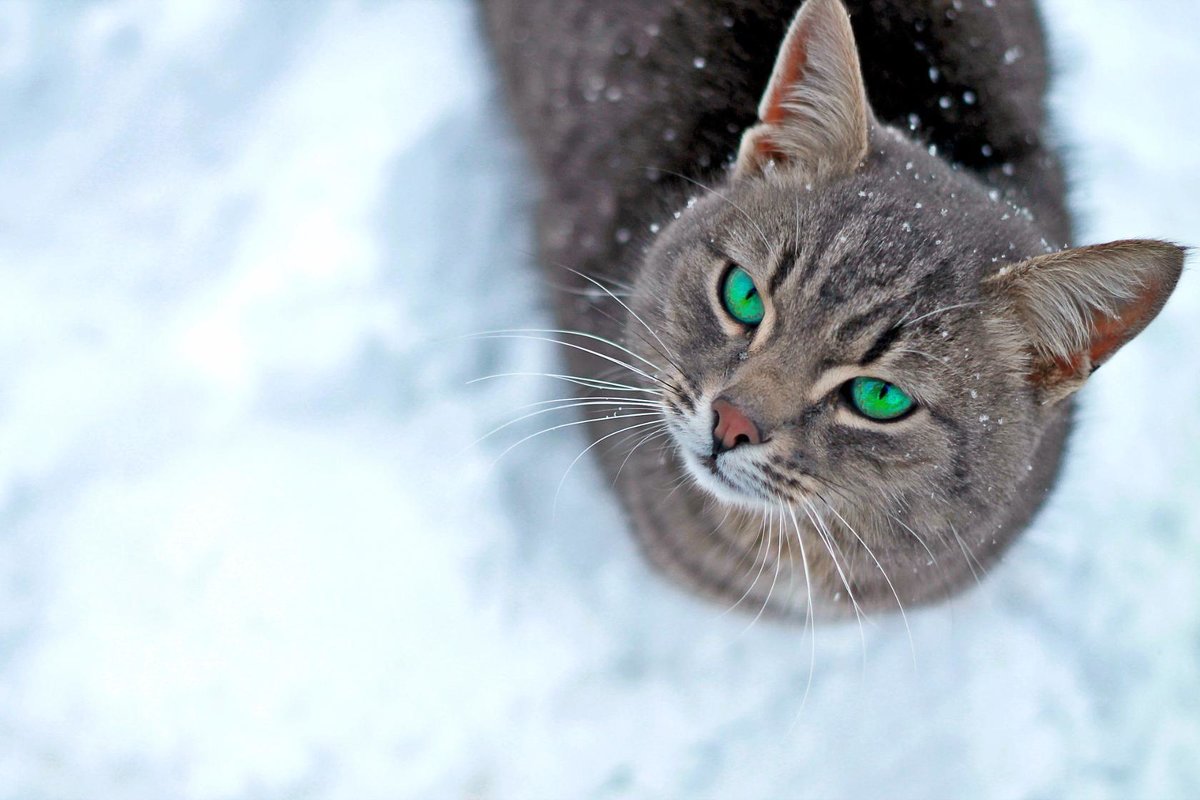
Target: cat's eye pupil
{"x":878,"y":400}
{"x":740,"y":298}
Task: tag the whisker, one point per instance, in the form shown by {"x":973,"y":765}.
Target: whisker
{"x":790,"y":597}
{"x":589,"y":293}
{"x":684,"y":477}
{"x":673,"y":362}
{"x":635,"y":402}
{"x":647,"y":438}
{"x":810,"y":621}
{"x":764,"y":545}
{"x":775,"y":578}
{"x":711,"y":190}
{"x":931,"y":357}
{"x":938,"y":311}
{"x":827,"y":538}
{"x":632,"y":313}
{"x":535,"y":256}
{"x":911,"y":310}
{"x":967,"y":555}
{"x":569,"y":425}
{"x":915,"y":535}
{"x":624,"y":286}
{"x":591,"y":383}
{"x":899,"y":603}
{"x":562,"y":332}
{"x":619,"y":402}
{"x":595,"y":398}
{"x":728,"y":541}
{"x":554,"y":505}
{"x":617,"y":361}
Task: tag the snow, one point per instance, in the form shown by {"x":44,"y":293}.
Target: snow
{"x":249,"y":547}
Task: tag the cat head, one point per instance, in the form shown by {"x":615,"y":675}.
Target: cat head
{"x":849,"y":320}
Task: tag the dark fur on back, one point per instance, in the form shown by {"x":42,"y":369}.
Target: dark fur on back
{"x":611,"y":100}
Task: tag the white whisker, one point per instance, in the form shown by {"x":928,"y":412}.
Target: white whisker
{"x":669,"y":354}
{"x":967,"y":555}
{"x":910,"y":351}
{"x":810,"y":620}
{"x":732,"y":204}
{"x":938,"y":311}
{"x":569,"y":425}
{"x":591,"y":383}
{"x":826,"y":537}
{"x":775,"y":577}
{"x":758,"y":556}
{"x":584,"y":334}
{"x":581,"y":348}
{"x":883,"y":572}
{"x":915,"y":535}
{"x":566,"y":404}
{"x":554,"y":505}
{"x":647,"y":438}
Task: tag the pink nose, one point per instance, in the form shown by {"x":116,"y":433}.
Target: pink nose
{"x":732,"y":428}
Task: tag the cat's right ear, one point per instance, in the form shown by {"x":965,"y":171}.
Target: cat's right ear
{"x":814,"y":115}
{"x":1077,"y":307}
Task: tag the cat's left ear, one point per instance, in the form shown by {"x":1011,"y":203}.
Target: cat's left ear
{"x":1078,"y":307}
{"x":814,"y":114}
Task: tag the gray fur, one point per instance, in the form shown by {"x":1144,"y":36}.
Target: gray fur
{"x":939,"y":275}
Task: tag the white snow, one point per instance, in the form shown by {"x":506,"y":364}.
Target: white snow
{"x":248,"y":548}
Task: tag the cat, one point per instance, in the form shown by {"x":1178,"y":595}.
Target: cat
{"x":815,"y":284}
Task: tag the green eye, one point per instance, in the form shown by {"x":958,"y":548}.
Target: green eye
{"x":879,"y":400}
{"x":740,"y":297}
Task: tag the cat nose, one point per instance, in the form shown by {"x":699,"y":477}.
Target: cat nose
{"x":732,"y":428}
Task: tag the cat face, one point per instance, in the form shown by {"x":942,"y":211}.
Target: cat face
{"x":849,"y":325}
{"x":869,"y":284}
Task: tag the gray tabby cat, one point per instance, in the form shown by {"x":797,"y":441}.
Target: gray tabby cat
{"x":854,"y":322}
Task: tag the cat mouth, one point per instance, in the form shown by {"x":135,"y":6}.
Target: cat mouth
{"x":714,"y":468}
{"x":718,"y":481}
{"x":710,"y":463}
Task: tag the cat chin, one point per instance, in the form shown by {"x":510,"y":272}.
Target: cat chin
{"x":722,"y":488}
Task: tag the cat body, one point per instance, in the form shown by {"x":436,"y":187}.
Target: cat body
{"x":882,"y":183}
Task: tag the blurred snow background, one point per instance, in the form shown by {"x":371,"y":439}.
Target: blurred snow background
{"x":247,"y":549}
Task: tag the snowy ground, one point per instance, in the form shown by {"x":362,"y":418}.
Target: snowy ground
{"x":247,"y":549}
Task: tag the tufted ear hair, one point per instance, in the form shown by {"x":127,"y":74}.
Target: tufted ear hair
{"x":1078,"y":307}
{"x":814,"y":114}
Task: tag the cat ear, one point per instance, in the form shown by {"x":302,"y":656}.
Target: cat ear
{"x":815,"y":113}
{"x":1078,"y":307}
